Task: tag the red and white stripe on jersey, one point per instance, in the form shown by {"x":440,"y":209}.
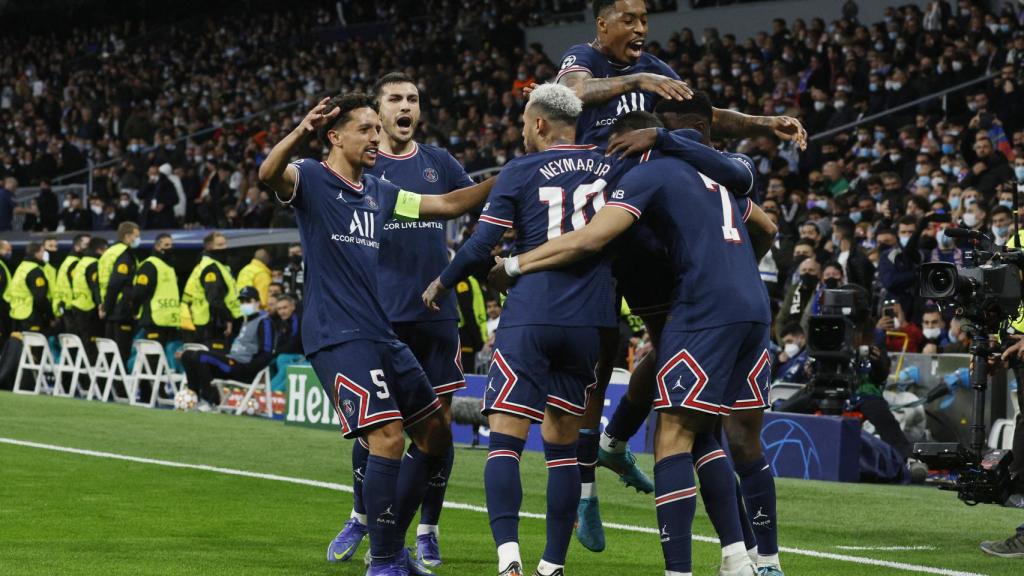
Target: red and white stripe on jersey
{"x":501,"y":403}
{"x":709,"y":457}
{"x":675,"y":496}
{"x":496,"y":221}
{"x":692,"y":399}
{"x":572,"y":69}
{"x":362,"y":442}
{"x":357,"y":186}
{"x":365,"y":419}
{"x":562,"y":462}
{"x":749,"y":209}
{"x":645,"y":157}
{"x":503,"y":454}
{"x":763,"y":363}
{"x":628,"y":208}
{"x":422,"y":414}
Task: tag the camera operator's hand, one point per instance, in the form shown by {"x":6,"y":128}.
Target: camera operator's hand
{"x":1016,"y":350}
{"x":886,"y":323}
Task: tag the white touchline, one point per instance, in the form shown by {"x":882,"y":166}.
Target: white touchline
{"x":887,"y":548}
{"x":464,"y":506}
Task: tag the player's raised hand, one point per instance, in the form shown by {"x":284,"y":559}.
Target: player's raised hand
{"x":497,"y":278}
{"x":630,"y":143}
{"x":789,"y":128}
{"x":318,"y":116}
{"x":530,"y":88}
{"x":433,"y":293}
{"x":664,"y":86}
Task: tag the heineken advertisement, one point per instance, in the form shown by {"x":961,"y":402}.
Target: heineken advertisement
{"x":308,"y":404}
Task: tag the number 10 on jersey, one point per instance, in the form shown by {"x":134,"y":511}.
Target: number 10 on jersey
{"x":556,"y":199}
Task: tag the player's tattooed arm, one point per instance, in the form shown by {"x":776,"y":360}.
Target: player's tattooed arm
{"x":275,"y":171}
{"x":600,"y":90}
{"x":762,"y":231}
{"x":455,"y":203}
{"x":730,"y":124}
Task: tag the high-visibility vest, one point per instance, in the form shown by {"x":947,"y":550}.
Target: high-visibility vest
{"x":18,"y":294}
{"x":62,"y":287}
{"x":7,"y":277}
{"x":247,"y":277}
{"x":81,"y":295}
{"x":195,"y":294}
{"x":106,"y":267}
{"x":165,"y":304}
{"x":1018,"y":322}
{"x":479,"y":306}
{"x":51,"y":286}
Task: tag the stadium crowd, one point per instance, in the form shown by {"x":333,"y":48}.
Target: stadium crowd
{"x":863,"y":206}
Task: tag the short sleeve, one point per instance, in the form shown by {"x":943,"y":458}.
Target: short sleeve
{"x":745,"y":205}
{"x":389,"y":197}
{"x":457,"y":176}
{"x":500,"y":208}
{"x":576,"y":59}
{"x":747,"y":163}
{"x":636,"y":190}
{"x":296,"y":201}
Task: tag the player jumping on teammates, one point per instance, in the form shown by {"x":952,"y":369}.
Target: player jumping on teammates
{"x":713,"y":351}
{"x":377,"y":386}
{"x":548,"y":342}
{"x":613,"y":76}
{"x":412,"y":254}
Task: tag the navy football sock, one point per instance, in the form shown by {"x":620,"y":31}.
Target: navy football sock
{"x":586,"y":452}
{"x":749,"y":540}
{"x":379,"y":494}
{"x":360,"y":452}
{"x":675,"y":504}
{"x":759,"y":492}
{"x":717,"y":488}
{"x":627,"y":419}
{"x":563,"y":495}
{"x":504,"y":487}
{"x":433,"y":501}
{"x":413,"y":479}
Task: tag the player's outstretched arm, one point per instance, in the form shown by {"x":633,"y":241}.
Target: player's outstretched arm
{"x":275,"y":171}
{"x":607,"y":224}
{"x":455,"y":203}
{"x":474,"y":252}
{"x":600,"y":90}
{"x":730,"y":171}
{"x":762,"y":231}
{"x":730,"y":124}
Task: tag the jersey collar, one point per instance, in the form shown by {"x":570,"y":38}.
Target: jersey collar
{"x":406,"y":156}
{"x":358,"y":187}
{"x":573,"y":147}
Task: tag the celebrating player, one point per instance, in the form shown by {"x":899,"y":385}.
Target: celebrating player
{"x":411,"y":250}
{"x":377,"y":386}
{"x":613,"y":76}
{"x":713,"y":352}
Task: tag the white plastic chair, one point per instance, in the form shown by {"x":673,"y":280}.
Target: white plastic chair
{"x":261,"y":380}
{"x":34,"y":344}
{"x":107,"y":372}
{"x":73,"y":363}
{"x":151,"y":367}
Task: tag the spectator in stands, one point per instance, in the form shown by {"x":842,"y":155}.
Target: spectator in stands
{"x":158,"y":197}
{"x":250,"y":352}
{"x":126,"y":211}
{"x":798,"y":296}
{"x":116,"y":269}
{"x":255,"y":211}
{"x":294,"y":271}
{"x":287,"y":326}
{"x":933,"y":329}
{"x":48,"y":208}
{"x":851,"y":257}
{"x":257,"y":274}
{"x":10,"y":186}
{"x":894,"y":320}
{"x":75,"y":217}
{"x":792,"y":361}
{"x":29,"y":292}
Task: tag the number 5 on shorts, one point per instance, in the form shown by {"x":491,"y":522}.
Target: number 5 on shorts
{"x":377,"y":376}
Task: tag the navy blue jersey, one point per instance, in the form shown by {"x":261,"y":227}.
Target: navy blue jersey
{"x":595,"y":122}
{"x":414,"y":253}
{"x":545,"y":195}
{"x":340,"y":225}
{"x":701,"y":225}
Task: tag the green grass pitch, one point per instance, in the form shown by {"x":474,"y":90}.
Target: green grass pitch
{"x":70,"y":513}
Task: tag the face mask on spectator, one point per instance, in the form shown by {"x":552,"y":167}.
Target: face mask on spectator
{"x":819,"y":106}
{"x":737,"y":72}
{"x":901,"y":46}
{"x":716,"y":71}
{"x":1004,"y":28}
{"x":808,"y":279}
{"x":791,"y":349}
{"x":97,"y":209}
{"x":932,"y":333}
{"x":124,"y":203}
{"x":1000,"y":231}
{"x":840,"y":104}
{"x":879,"y":135}
{"x":780,"y":109}
{"x":1019,"y":172}
{"x":968,"y":202}
{"x":944,"y":241}
{"x":946,"y":168}
{"x":864,"y":174}
{"x":894,"y":158}
{"x":1007,"y":203}
{"x":948,"y":149}
{"x":137,"y":242}
{"x":896,"y":86}
{"x":856,"y":216}
{"x":832,"y":283}
{"x":954,"y":203}
{"x":873,"y":87}
{"x":970,"y":219}
{"x":957,"y":66}
{"x":46,"y":256}
{"x":924,"y":180}
{"x":972,"y":106}
{"x":248,"y":308}
{"x":904,"y":240}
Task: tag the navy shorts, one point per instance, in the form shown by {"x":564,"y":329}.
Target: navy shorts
{"x":538,"y":366}
{"x":716,"y":370}
{"x":644,"y":273}
{"x":437,"y":347}
{"x":374,"y":382}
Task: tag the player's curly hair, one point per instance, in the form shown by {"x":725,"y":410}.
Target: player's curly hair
{"x":557,"y":102}
{"x":347,"y":103}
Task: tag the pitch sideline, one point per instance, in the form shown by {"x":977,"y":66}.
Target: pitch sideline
{"x":460,"y":505}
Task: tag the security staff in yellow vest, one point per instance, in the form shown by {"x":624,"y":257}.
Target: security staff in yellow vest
{"x":62,"y":286}
{"x":29,"y":293}
{"x":50,"y":269}
{"x":257,"y":274}
{"x":5,"y":281}
{"x":156,"y":294}
{"x":212,"y":296}
{"x":472,"y":320}
{"x":116,"y":272}
{"x":85,"y":295}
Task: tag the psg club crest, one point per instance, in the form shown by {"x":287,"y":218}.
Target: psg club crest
{"x":430,"y":175}
{"x":347,"y":407}
{"x":371,"y":203}
{"x":569,"y":61}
